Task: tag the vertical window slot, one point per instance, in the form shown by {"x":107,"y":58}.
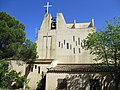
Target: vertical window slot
{"x":64,"y":42}
{"x":74,"y":50}
{"x":59,"y":44}
{"x":73,"y":38}
{"x":79,"y":50}
{"x":35,"y":66}
{"x":39,"y":69}
{"x":70,"y":46}
{"x":78,"y":41}
{"x":67,"y":45}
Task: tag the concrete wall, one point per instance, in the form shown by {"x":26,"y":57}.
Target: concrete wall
{"x":58,"y":44}
{"x":64,"y":44}
{"x":18,"y":66}
{"x":31,"y":71}
{"x":46,"y":41}
{"x":51,"y":80}
{"x":79,"y":81}
{"x":52,"y":43}
{"x":74,"y":53}
{"x":34,"y":76}
{"x":65,"y":55}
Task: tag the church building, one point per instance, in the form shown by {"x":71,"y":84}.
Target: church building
{"x":63,"y":61}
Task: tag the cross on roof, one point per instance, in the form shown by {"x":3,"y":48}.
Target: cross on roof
{"x":47,"y":6}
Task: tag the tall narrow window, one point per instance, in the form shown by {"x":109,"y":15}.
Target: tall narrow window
{"x":82,"y":44}
{"x":79,"y":50}
{"x":73,"y":38}
{"x":32,"y":69}
{"x":59,"y":44}
{"x":74,"y":50}
{"x":35,"y":66}
{"x":67,"y":45}
{"x":64,"y":42}
{"x":78,"y":41}
{"x":39,"y":69}
{"x":70,"y":46}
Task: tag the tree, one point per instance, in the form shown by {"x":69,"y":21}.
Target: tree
{"x":11,"y":35}
{"x":27,"y":51}
{"x":10,"y":79}
{"x":13,"y":43}
{"x":106,"y":46}
{"x":13,"y":46}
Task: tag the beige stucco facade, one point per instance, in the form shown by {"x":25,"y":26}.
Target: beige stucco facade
{"x":18,"y":66}
{"x":79,"y":80}
{"x":35,"y":72}
{"x":63,"y":42}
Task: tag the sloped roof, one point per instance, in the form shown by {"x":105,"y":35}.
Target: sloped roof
{"x":62,"y":68}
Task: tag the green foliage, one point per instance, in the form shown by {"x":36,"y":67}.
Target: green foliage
{"x":13,"y":43}
{"x":13,"y":46}
{"x":3,"y":69}
{"x":11,"y":35}
{"x":27,"y":51}
{"x":10,"y":79}
{"x":106,"y":46}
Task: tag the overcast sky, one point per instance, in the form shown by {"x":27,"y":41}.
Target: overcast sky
{"x":31,"y":12}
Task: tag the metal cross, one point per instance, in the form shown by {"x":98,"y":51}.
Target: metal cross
{"x":47,"y":6}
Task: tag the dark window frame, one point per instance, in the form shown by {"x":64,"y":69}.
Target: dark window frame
{"x":59,"y":44}
{"x":62,"y":84}
{"x":79,"y":50}
{"x":32,"y":69}
{"x":38,"y":69}
{"x":73,"y":38}
{"x":67,"y":45}
{"x":78,"y":41}
{"x":35,"y":66}
{"x":64,"y":42}
{"x":74,"y":50}
{"x":70,"y":46}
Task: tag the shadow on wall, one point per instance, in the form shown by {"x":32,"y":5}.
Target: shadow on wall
{"x":27,"y":70}
{"x":42,"y":82}
{"x":85,"y":81}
